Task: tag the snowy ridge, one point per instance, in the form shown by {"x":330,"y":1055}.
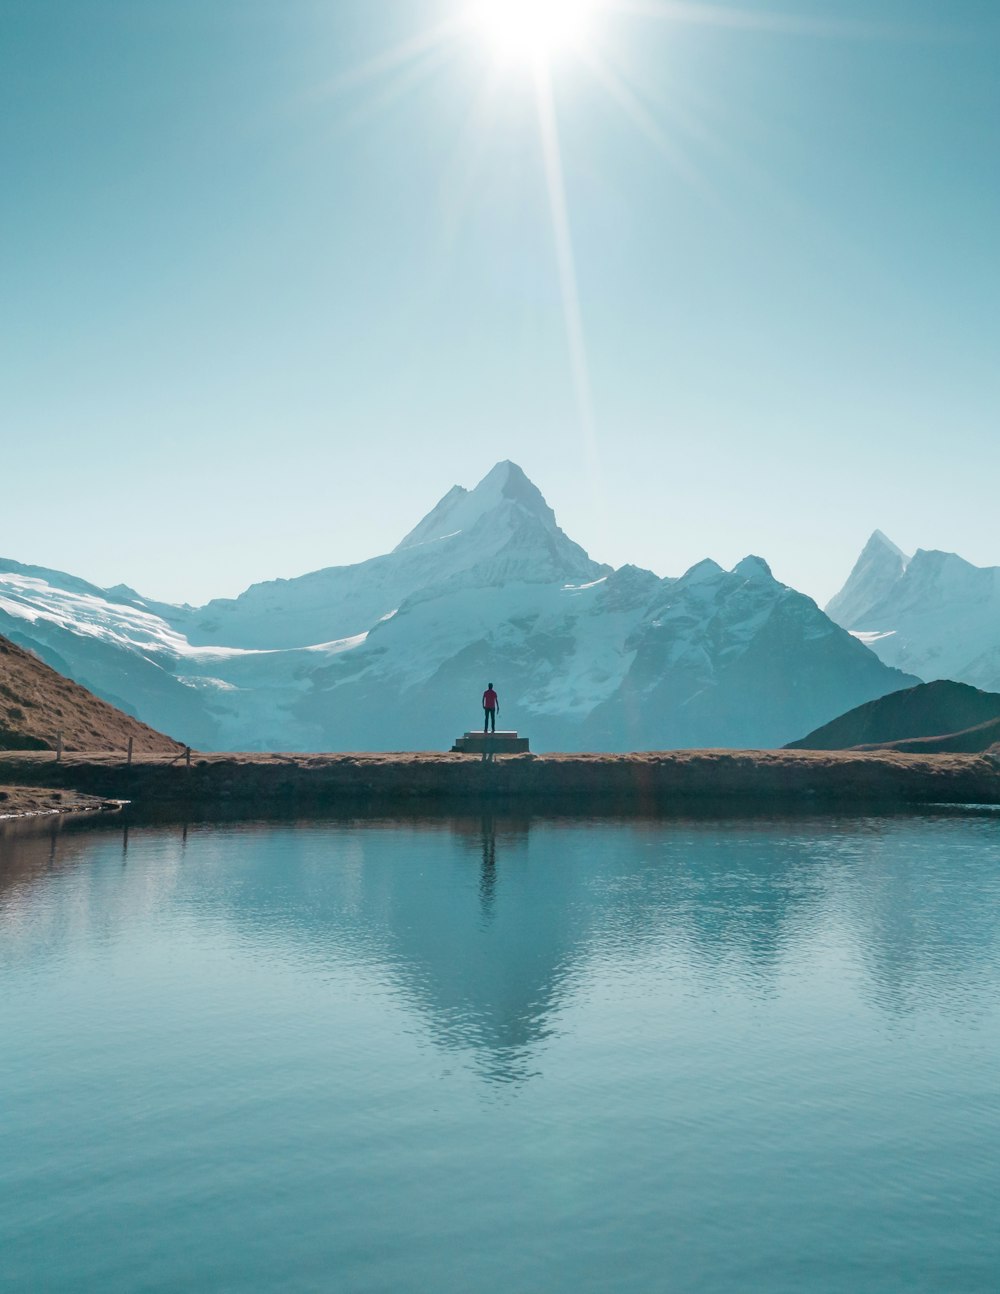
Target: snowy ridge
{"x":393,"y":653}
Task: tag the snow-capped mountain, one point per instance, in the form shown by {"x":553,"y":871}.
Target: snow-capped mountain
{"x":875,"y":572}
{"x":732,"y":658}
{"x":394,"y":652}
{"x":933,"y":614}
{"x":503,"y":531}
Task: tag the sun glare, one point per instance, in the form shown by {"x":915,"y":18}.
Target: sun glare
{"x":532,"y":30}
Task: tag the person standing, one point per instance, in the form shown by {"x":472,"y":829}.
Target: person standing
{"x":491,"y":708}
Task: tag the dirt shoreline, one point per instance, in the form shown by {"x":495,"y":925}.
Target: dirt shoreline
{"x":255,"y":784}
{"x":25,"y":804}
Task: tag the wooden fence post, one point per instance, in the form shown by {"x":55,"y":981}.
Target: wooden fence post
{"x":187,"y":756}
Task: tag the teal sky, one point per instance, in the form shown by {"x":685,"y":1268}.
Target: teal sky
{"x":259,"y":313}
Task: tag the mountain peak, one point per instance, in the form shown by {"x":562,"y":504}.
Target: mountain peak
{"x":879,"y":542}
{"x":955,"y":576}
{"x":508,"y":476}
{"x":706,"y":569}
{"x":753,"y":568}
{"x":875,"y":572}
{"x":461,"y":509}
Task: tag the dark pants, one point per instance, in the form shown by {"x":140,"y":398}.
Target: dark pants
{"x":489,"y":720}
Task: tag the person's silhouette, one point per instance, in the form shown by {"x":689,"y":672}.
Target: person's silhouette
{"x":491,"y":707}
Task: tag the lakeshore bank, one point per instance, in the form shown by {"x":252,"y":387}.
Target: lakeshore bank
{"x":20,"y":805}
{"x":257,"y":784}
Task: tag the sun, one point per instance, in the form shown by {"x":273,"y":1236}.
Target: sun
{"x":529,"y":31}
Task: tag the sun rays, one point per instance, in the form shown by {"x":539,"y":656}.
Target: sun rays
{"x":566,"y":265}
{"x":529,"y":50}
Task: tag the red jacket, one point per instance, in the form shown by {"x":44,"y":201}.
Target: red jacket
{"x":490,"y":700}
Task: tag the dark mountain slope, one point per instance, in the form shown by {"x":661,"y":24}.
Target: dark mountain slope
{"x":971,"y":741}
{"x":938,"y":710}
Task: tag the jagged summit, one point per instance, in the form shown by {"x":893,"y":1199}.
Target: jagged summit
{"x":875,"y":572}
{"x":879,"y":541}
{"x":461,"y":509}
{"x":933,"y":614}
{"x":706,"y":569}
{"x":753,"y":568}
{"x":501,"y":531}
{"x":929,"y":565}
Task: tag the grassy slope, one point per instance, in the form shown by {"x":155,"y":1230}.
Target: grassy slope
{"x":36,"y":703}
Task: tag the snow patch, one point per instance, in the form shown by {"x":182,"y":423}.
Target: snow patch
{"x":337,"y":646}
{"x":869,"y":636}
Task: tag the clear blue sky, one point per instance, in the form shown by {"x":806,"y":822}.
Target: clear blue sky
{"x":258,"y":314}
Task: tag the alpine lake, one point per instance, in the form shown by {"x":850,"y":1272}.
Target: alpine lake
{"x":498,"y":1056}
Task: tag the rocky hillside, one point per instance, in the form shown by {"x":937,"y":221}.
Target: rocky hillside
{"x":36,"y":704}
{"x":934,"y":717}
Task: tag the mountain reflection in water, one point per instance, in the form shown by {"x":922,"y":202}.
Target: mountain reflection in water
{"x":502,"y":1055}
{"x":485,"y":925}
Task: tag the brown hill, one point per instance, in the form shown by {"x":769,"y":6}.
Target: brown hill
{"x":928,"y":719}
{"x":36,"y":704}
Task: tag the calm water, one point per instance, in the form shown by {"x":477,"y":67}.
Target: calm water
{"x":480,"y":1056}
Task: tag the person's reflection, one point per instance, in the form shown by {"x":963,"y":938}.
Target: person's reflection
{"x":488,"y":876}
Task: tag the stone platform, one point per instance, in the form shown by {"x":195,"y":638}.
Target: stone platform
{"x":492,"y":743}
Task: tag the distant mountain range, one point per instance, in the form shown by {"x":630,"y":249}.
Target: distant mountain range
{"x":932,"y":614}
{"x":394,"y":652}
